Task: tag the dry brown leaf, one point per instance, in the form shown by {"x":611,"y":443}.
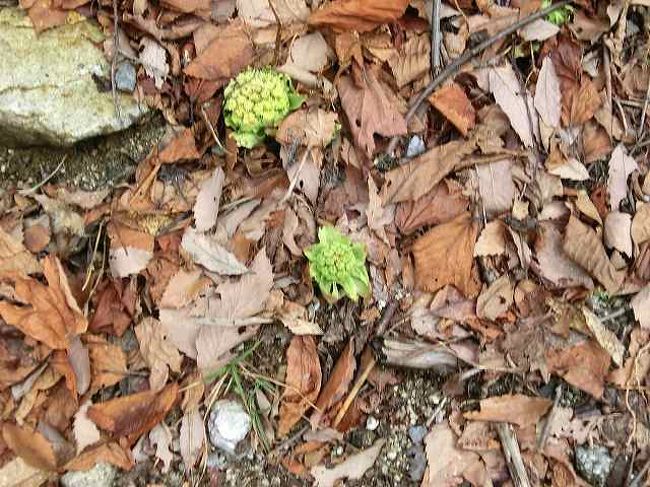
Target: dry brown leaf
{"x":180,"y":148}
{"x":496,"y":299}
{"x":227,"y":54}
{"x":188,"y":6}
{"x":84,"y":430}
{"x":492,"y":240}
{"x":303,"y":381}
{"x":584,"y":365}
{"x":131,"y":250}
{"x":309,"y":127}
{"x":548,"y":98}
{"x":605,"y":337}
{"x":554,"y":264}
{"x":511,"y":408}
{"x":444,"y":255}
{"x":192,"y":438}
{"x":596,"y":143}
{"x":158,"y":352}
{"x":206,"y":207}
{"x":617,"y":232}
{"x":446,"y":462}
{"x":161,"y":437}
{"x":31,"y":446}
{"x":111,"y":453}
{"x":641,"y":224}
{"x":258,"y":13}
{"x":452,"y":102}
{"x":415,"y":179}
{"x":641,"y":305}
{"x":496,"y":186}
{"x":37,"y":237}
{"x":14,"y":257}
{"x":352,"y":468}
{"x":539,"y":30}
{"x":359,"y":15}
{"x":337,"y":385}
{"x":17,"y":473}
{"x":213,"y":343}
{"x":134,"y":415}
{"x":412,"y":60}
{"x":620,"y":167}
{"x":585,"y":103}
{"x":107,"y":361}
{"x":51,"y":314}
{"x":183,"y":288}
{"x":585,"y":206}
{"x":583,"y":246}
{"x":207,"y":252}
{"x":115,"y":303}
{"x":369,"y":110}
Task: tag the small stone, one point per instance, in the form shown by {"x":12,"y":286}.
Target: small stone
{"x":593,"y":464}
{"x":101,"y":475}
{"x":417,"y":433}
{"x":228,"y":425}
{"x":416,"y":146}
{"x":125,"y":77}
{"x":372,"y":423}
{"x":417,"y":463}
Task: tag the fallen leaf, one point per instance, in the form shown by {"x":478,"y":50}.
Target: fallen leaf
{"x":206,"y":207}
{"x":183,"y":288}
{"x":213,"y":344}
{"x":446,"y":462}
{"x":158,"y":352}
{"x":107,"y":362}
{"x":368,"y":109}
{"x":554,"y":264}
{"x":115,"y":303}
{"x":205,"y":251}
{"x":415,"y":179}
{"x":14,"y":257}
{"x":134,"y":415}
{"x":36,"y":237}
{"x":452,"y":102}
{"x":586,"y":102}
{"x":188,"y":6}
{"x":18,"y":473}
{"x":496,"y":186}
{"x":337,"y":384}
{"x":620,"y":167}
{"x":79,"y":360}
{"x":130,"y":251}
{"x":605,"y":337}
{"x":583,"y":246}
{"x":154,"y":60}
{"x":31,"y":446}
{"x":617,"y":232}
{"x":571,"y":169}
{"x":359,"y":15}
{"x":587,"y":207}
{"x":511,"y":408}
{"x":161,"y":438}
{"x":496,"y":299}
{"x":303,"y":381}
{"x":227,"y":54}
{"x":584,"y":366}
{"x":641,"y":224}
{"x":444,"y":255}
{"x":492,"y":240}
{"x":378,"y":215}
{"x":309,"y":127}
{"x":84,"y":430}
{"x":443,"y":203}
{"x":507,"y":91}
{"x":351,"y":468}
{"x":294,"y":317}
{"x":411,"y":61}
{"x":258,"y":13}
{"x":51,"y":314}
{"x":539,"y":30}
{"x":640,"y":303}
{"x":111,"y":453}
{"x":192,"y":438}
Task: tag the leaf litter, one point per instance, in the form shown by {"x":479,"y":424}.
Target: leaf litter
{"x":506,"y":229}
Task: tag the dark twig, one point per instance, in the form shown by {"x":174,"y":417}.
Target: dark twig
{"x":512,"y":454}
{"x":435,"y":38}
{"x":549,"y":420}
{"x":455,"y":66}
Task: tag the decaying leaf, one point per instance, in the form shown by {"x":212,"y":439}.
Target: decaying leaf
{"x":31,"y":446}
{"x":158,"y":352}
{"x":14,"y":257}
{"x":258,"y":13}
{"x":444,"y":255}
{"x":548,"y":98}
{"x":352,"y":468}
{"x":192,"y":438}
{"x":605,"y":337}
{"x":161,"y":437}
{"x":206,"y":251}
{"x":107,"y":362}
{"x":85,"y":431}
{"x":584,"y":365}
{"x":620,"y":167}
{"x":452,"y":102}
{"x":206,"y":207}
{"x":496,"y":186}
{"x":411,"y":60}
{"x":309,"y":127}
{"x":641,"y":305}
{"x":303,"y":382}
{"x":496,"y":299}
{"x":359,"y":15}
{"x":131,"y":250}
{"x":512,"y":408}
{"x":183,"y":288}
{"x":369,"y":110}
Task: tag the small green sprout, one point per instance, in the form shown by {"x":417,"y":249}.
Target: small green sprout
{"x":337,"y":262}
{"x":255,"y":103}
{"x":560,"y":16}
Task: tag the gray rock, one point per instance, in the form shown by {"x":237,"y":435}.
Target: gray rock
{"x":228,"y":425}
{"x":593,"y":464}
{"x":101,"y":475}
{"x":417,"y":433}
{"x":47,"y":92}
{"x":125,"y":77}
{"x":416,"y":146}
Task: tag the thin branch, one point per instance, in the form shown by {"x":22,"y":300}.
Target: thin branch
{"x":33,"y":189}
{"x":512,"y":454}
{"x":455,"y":66}
{"x":116,"y":49}
{"x":435,"y":38}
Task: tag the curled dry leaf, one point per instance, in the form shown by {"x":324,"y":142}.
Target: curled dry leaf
{"x":584,"y":247}
{"x":131,"y":250}
{"x":352,"y":468}
{"x":412,"y":60}
{"x":303,"y":382}
{"x":605,"y":337}
{"x":107,"y":362}
{"x":584,"y":365}
{"x":359,"y":15}
{"x":452,"y":102}
{"x":31,"y":446}
{"x":337,"y":385}
{"x":368,"y":109}
{"x":158,"y":352}
{"x":206,"y":206}
{"x":444,"y":255}
{"x":111,"y":453}
{"x":14,"y":257}
{"x":309,"y":127}
{"x":511,"y":408}
{"x":496,"y":299}
{"x":207,"y":252}
{"x":134,"y":415}
{"x":50,"y":313}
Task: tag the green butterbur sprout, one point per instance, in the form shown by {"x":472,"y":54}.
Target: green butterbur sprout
{"x":560,"y":16}
{"x":255,"y":103}
{"x":336,"y":263}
